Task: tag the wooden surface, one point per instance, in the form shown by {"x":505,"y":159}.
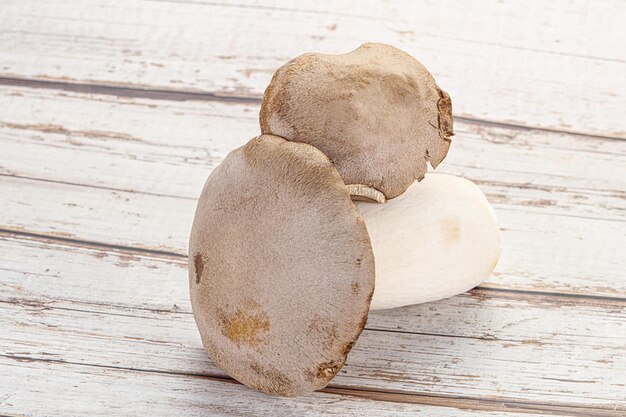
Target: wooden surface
{"x":112,"y":115}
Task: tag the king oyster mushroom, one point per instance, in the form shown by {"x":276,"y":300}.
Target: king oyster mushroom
{"x":281,"y":264}
{"x":376,"y":112}
{"x":281,"y":269}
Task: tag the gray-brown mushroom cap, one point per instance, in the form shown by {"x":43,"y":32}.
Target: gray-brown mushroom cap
{"x":376,"y":112}
{"x":281,"y":270}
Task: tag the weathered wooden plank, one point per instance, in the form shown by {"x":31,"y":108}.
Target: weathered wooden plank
{"x":180,"y":170}
{"x":559,"y":352}
{"x":168,"y":148}
{"x":560,"y":199}
{"x":378,"y":362}
{"x":79,"y":389}
{"x":541,"y":251}
{"x":99,"y":215}
{"x":502,"y":61}
{"x":540,"y":173}
{"x":34,"y":388}
{"x":37,"y":269}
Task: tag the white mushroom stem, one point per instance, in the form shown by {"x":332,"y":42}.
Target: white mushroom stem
{"x":438,"y":239}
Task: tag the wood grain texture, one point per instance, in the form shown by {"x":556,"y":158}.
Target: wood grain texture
{"x":144,"y":173}
{"x":114,"y":113}
{"x":184,"y":140}
{"x":52,"y":388}
{"x":564,"y":252}
{"x":456,"y":347}
{"x":31,"y":383}
{"x":558,"y":66}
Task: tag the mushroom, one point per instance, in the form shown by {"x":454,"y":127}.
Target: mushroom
{"x":281,"y":267}
{"x":438,"y":239}
{"x":281,"y":262}
{"x":376,"y":112}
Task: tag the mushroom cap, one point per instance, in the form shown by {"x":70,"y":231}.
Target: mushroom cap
{"x":376,"y":112}
{"x":281,"y":269}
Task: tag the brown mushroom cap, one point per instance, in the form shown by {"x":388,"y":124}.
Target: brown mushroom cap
{"x":281,"y":270}
{"x":376,"y":112}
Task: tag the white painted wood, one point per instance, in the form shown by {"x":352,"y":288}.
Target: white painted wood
{"x":560,"y":65}
{"x":56,"y":389}
{"x":169,"y":148}
{"x":181,"y":171}
{"x":541,"y":251}
{"x":54,"y":274}
{"x":561,"y":373}
{"x":100,"y":215}
{"x":155,"y":147}
{"x":126,"y":172}
{"x":560,"y":351}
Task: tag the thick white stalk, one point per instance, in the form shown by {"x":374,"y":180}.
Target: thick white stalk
{"x":438,"y":239}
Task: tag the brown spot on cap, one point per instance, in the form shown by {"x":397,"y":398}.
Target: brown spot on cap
{"x":326,"y":371}
{"x":245,"y":328}
{"x":444,"y":105}
{"x":198,"y":266}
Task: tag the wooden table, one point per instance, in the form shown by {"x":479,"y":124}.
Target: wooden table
{"x":112,"y":114}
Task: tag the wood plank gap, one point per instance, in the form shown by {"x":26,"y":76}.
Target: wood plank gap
{"x":572,"y":216}
{"x":458,"y":402}
{"x":525,"y":128}
{"x":549,"y":188}
{"x":550,"y":296}
{"x":215,"y":377}
{"x":99,"y":187}
{"x":124,"y":91}
{"x":449,"y":336}
{"x":91,"y":244}
{"x":477,"y":404}
{"x":182,"y":95}
{"x":43,"y":305}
